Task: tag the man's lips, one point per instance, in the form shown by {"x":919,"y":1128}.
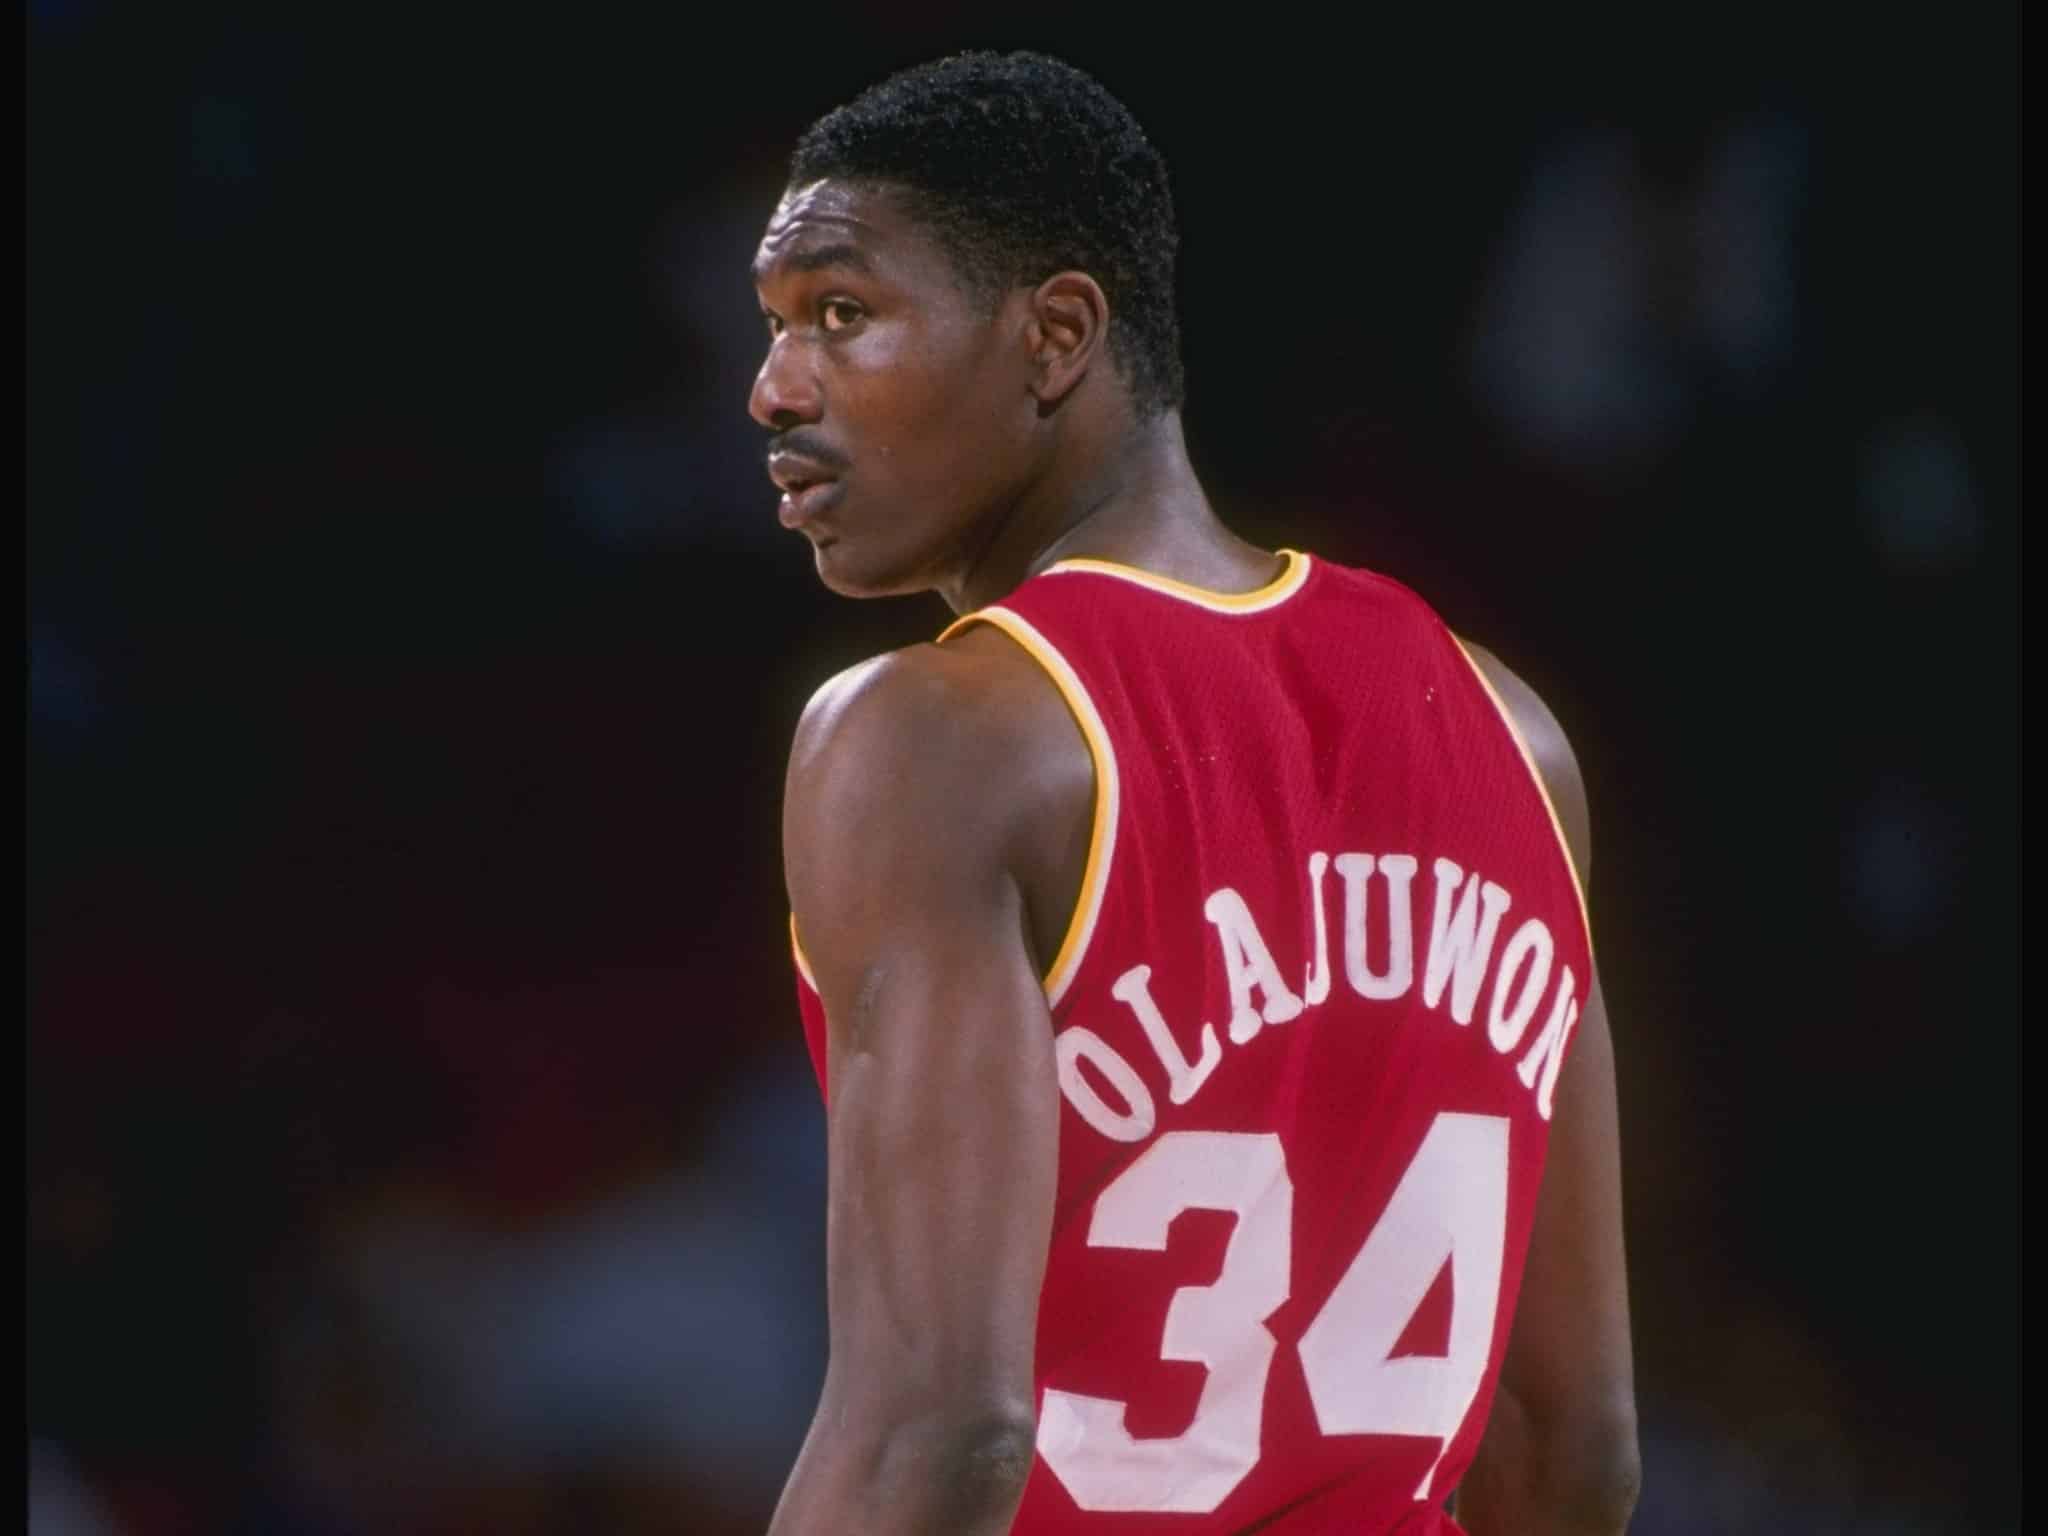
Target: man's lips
{"x":806,"y":485}
{"x":792,"y":469}
{"x":799,"y":506}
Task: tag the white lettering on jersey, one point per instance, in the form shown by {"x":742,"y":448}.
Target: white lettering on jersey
{"x":1182,"y":1080}
{"x":1398,"y":869}
{"x":1076,"y":1045}
{"x":1547,"y":1054}
{"x":1315,"y":987}
{"x":1465,"y":922}
{"x":1247,"y":963}
{"x":1506,"y":1022}
{"x":1461,"y":943}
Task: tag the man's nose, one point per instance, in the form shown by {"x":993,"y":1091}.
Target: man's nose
{"x":786,"y":392}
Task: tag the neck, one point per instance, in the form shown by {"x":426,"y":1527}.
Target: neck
{"x":1132,"y":499}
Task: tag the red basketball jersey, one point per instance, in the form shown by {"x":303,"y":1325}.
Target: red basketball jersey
{"x":1308,"y":1017}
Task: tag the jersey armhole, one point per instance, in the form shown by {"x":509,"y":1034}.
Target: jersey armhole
{"x":1102,"y":833}
{"x":1507,"y":718}
{"x":803,"y":961}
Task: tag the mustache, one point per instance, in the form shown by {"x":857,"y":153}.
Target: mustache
{"x":804,"y":446}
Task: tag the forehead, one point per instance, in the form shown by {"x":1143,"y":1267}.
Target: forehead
{"x":845,"y":225}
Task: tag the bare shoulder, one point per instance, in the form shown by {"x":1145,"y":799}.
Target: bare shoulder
{"x":951,"y":770}
{"x":1552,"y":749}
{"x":975,"y":714}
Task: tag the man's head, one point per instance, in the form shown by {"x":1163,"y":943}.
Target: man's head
{"x":966,"y":253}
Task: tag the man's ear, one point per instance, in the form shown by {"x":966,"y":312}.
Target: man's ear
{"x":1069,"y":325}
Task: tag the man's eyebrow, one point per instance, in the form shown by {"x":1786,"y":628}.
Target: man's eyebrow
{"x":816,"y":258}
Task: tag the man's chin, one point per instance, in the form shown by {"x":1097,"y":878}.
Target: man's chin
{"x":845,"y":574}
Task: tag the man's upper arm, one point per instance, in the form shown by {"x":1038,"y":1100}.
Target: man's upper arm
{"x":900,"y":831}
{"x":1569,"y":1364}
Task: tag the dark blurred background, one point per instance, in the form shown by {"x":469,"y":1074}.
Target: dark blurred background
{"x":419,"y":1133}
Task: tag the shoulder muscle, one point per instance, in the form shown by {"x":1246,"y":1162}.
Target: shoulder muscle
{"x":931,"y":774}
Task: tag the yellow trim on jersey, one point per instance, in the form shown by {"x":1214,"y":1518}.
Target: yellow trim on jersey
{"x":1529,"y":760}
{"x":1102,"y":837}
{"x":1271,"y":595}
{"x":803,"y":961}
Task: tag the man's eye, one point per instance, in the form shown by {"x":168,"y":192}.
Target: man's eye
{"x":838,"y":314}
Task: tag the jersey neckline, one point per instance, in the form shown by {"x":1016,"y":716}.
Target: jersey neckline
{"x":1285,"y":585}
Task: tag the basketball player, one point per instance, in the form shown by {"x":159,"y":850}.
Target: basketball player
{"x":1192,"y":948}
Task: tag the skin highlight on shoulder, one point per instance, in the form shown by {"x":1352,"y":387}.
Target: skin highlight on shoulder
{"x":965,"y":741}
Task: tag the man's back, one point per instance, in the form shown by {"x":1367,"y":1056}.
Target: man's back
{"x":1326,"y":958}
{"x":1141,"y":1176}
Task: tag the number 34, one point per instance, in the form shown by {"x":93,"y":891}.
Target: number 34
{"x":1451,"y":1203}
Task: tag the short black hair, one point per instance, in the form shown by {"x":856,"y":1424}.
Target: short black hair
{"x":1023,"y":166}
